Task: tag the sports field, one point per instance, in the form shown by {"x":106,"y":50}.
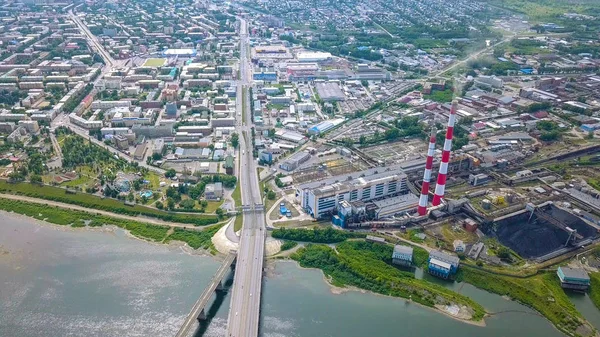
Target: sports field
{"x":154,"y":62}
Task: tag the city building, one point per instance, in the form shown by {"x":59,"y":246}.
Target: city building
{"x":213,"y":191}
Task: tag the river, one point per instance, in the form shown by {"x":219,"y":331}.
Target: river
{"x":56,"y":281}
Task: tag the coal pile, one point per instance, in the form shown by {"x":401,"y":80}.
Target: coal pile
{"x":538,"y":237}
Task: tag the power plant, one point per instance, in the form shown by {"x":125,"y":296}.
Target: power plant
{"x":443,"y":172}
{"x":424,"y":199}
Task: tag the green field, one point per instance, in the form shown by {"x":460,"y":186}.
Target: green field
{"x":541,"y":292}
{"x":59,"y":216}
{"x":155,"y":62}
{"x":105,"y":204}
{"x":368,"y":266}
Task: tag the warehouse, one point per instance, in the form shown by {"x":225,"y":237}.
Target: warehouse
{"x":330,"y":92}
{"x":294,"y":161}
{"x":180,"y":52}
{"x":324,"y":126}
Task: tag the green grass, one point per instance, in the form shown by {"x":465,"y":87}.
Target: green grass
{"x":368,"y":266}
{"x":544,"y":10}
{"x":195,"y":239}
{"x":238,"y":223}
{"x":213,"y":206}
{"x":154,"y":62}
{"x":595,"y":183}
{"x":237,"y":195}
{"x":541,"y":292}
{"x":59,"y":216}
{"x":65,"y":217}
{"x":327,"y":235}
{"x":106,"y":204}
{"x":440,"y":96}
{"x":595,"y":289}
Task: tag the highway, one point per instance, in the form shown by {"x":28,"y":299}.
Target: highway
{"x":244,"y":310}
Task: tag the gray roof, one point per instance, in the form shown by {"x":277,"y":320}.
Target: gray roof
{"x":436,"y":254}
{"x":574,"y":273}
{"x":403,"y":249}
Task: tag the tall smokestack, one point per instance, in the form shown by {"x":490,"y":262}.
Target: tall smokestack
{"x":424,"y":199}
{"x":440,"y":187}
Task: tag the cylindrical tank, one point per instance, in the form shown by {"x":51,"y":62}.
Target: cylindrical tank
{"x":486,"y":204}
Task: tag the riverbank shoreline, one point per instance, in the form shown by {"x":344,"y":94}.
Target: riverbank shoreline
{"x":339,"y":291}
{"x":112,"y":229}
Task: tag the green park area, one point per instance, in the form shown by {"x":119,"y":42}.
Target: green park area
{"x":73,"y":218}
{"x":106,"y":204}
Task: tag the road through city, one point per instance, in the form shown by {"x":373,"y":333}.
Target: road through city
{"x":244,"y":310}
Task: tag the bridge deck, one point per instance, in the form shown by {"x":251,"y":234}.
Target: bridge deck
{"x":206,"y":295}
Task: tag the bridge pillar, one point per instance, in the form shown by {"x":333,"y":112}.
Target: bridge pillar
{"x":220,"y":286}
{"x":202,"y":316}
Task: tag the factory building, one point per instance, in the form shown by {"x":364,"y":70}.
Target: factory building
{"x":294,"y":161}
{"x":402,"y":255}
{"x":571,"y":278}
{"x":441,"y":264}
{"x":323,"y":199}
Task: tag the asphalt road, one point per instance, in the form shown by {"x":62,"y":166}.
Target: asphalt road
{"x":245,"y":300}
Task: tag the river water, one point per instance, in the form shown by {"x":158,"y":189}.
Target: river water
{"x":56,"y":281}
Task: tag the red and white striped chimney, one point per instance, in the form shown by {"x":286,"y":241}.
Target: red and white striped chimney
{"x":424,"y":199}
{"x":440,"y":187}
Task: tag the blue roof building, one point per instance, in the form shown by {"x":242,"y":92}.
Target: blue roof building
{"x":442,"y":265}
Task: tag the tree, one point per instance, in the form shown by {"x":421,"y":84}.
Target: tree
{"x":220,"y":212}
{"x":170,"y":173}
{"x":159,"y":205}
{"x":130,"y":196}
{"x":35,"y":179}
{"x":188,"y":204}
{"x":271,"y":195}
{"x":156,"y":156}
{"x":173,"y":193}
{"x":503,"y":253}
{"x":235,"y":140}
{"x":170,"y":203}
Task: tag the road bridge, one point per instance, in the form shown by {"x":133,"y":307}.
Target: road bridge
{"x":197,"y":312}
{"x":244,"y":310}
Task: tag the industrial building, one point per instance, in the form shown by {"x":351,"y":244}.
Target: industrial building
{"x":442,"y":265}
{"x":330,"y":92}
{"x":571,"y":278}
{"x":324,"y":126}
{"x":323,"y":198}
{"x":402,"y":255}
{"x":294,"y":161}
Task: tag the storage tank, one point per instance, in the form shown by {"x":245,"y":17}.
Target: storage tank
{"x":486,"y":204}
